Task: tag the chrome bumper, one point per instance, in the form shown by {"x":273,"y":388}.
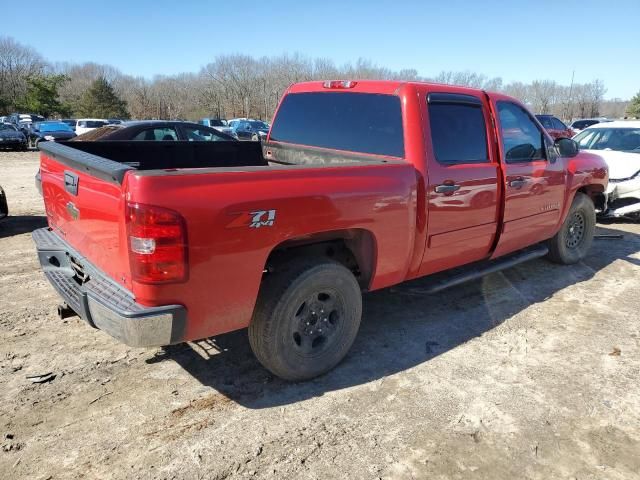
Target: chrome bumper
{"x":102,"y":303}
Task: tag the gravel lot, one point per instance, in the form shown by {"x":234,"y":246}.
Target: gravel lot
{"x":530,"y":373}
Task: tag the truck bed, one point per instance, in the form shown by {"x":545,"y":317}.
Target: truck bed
{"x":87,"y":198}
{"x":163,"y":155}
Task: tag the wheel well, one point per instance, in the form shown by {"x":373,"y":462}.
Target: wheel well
{"x":354,"y":248}
{"x":596,"y":194}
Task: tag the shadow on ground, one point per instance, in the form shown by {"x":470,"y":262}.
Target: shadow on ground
{"x":401,"y":328}
{"x":17,"y":225}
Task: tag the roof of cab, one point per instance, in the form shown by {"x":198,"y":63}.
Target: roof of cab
{"x":389,"y":87}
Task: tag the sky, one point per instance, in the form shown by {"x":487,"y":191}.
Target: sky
{"x":515,"y":40}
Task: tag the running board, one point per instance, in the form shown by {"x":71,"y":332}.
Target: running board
{"x":485,"y":268}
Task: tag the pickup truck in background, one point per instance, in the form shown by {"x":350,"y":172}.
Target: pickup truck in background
{"x":359,"y":185}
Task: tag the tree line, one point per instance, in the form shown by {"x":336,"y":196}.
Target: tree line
{"x":238,"y":85}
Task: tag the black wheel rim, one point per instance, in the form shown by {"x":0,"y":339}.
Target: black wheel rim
{"x":316,"y":323}
{"x":575,"y":230}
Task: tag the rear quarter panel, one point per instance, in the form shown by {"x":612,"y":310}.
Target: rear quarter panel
{"x":227,"y":256}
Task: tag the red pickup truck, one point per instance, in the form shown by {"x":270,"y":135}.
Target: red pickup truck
{"x":359,"y":185}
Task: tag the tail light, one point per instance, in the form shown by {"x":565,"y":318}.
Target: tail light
{"x":157,"y":239}
{"x":339,"y":84}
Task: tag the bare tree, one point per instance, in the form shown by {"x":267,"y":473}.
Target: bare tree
{"x":17,"y":64}
{"x":241,"y":85}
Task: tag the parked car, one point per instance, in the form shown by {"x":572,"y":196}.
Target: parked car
{"x":618,"y":143}
{"x":578,"y":125}
{"x":18,"y":118}
{"x":151,"y":130}
{"x":156,"y":130}
{"x":250,"y":130}
{"x":218,"y":124}
{"x":11,"y":137}
{"x":555,"y":127}
{"x":84,"y":125}
{"x":114,"y":121}
{"x":49,"y":131}
{"x":4,"y":209}
{"x":161,"y":253}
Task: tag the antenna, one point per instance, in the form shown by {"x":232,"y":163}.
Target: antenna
{"x":570,"y":100}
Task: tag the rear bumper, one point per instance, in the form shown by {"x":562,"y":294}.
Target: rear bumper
{"x":102,"y":303}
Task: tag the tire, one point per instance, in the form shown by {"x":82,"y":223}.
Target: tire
{"x":294,"y":306}
{"x":571,"y":244}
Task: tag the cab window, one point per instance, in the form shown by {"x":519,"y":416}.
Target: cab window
{"x":521,"y":138}
{"x":458,"y":132}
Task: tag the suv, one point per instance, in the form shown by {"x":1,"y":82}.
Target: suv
{"x":555,"y":127}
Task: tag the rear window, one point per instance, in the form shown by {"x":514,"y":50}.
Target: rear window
{"x":356,"y":122}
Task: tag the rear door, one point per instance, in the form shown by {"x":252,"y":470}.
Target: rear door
{"x":535,"y":178}
{"x":463,"y":180}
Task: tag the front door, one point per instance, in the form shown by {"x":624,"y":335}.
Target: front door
{"x":535,"y":178}
{"x":462,"y":184}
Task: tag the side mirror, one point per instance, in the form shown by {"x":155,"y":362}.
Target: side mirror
{"x":567,"y":147}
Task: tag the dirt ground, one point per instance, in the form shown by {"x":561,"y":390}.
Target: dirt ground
{"x":532,"y":374}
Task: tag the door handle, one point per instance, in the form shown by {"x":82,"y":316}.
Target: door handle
{"x":517,"y":183}
{"x":447,"y":188}
{"x":71,"y":182}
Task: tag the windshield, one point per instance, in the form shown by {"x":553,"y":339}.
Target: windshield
{"x":6,"y":126}
{"x":545,"y":121}
{"x":259,"y":125}
{"x":54,"y":127}
{"x":356,"y":122}
{"x":216,"y":123}
{"x":621,"y":139}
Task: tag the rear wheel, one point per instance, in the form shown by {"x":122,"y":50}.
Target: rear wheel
{"x":571,"y":244}
{"x":306,"y":318}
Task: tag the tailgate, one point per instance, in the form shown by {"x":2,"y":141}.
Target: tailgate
{"x":84,"y":203}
